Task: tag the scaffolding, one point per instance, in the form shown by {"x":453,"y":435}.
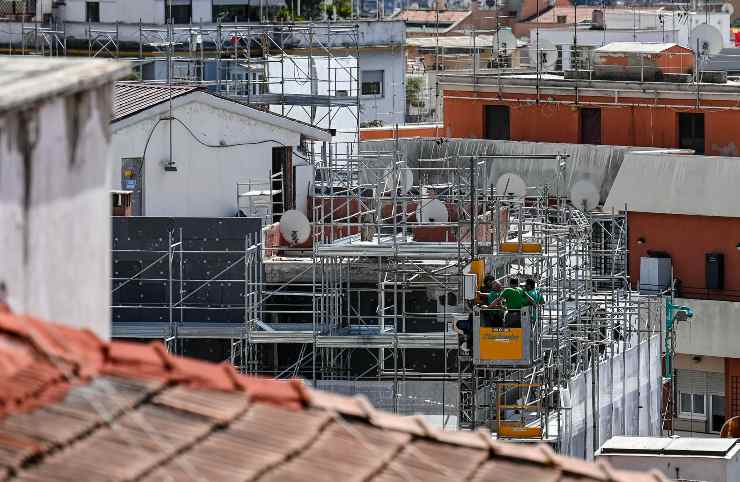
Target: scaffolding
{"x":373,"y":245}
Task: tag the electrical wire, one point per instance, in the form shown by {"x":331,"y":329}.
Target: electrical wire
{"x":206,"y":144}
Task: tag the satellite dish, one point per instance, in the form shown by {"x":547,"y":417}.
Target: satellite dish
{"x":295,"y":227}
{"x":545,"y":54}
{"x":432,"y":211}
{"x":707,"y":39}
{"x":402,"y":178}
{"x":511,"y":185}
{"x":584,"y":195}
{"x":728,"y":8}
{"x":505,"y":41}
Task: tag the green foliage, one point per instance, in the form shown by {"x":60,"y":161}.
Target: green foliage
{"x":414,"y":86}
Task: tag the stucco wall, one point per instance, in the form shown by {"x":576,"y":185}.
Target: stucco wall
{"x":55,"y":209}
{"x":687,"y":239}
{"x":390,"y":108}
{"x":712,"y":331}
{"x":205,"y":182}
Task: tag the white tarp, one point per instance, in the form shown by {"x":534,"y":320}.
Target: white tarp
{"x":627,"y":405}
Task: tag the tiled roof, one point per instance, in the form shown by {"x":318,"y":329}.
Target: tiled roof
{"x":430,"y":16}
{"x":78,"y":409}
{"x":572,"y":15}
{"x":130,"y":98}
{"x":635,"y":47}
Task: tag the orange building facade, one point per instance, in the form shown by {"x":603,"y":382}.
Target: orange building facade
{"x":655,"y":114}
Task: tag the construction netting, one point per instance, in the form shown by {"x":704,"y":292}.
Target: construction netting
{"x":627,"y":401}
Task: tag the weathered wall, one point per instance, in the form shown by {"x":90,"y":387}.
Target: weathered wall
{"x":206,"y":177}
{"x":55,"y":209}
{"x":636,"y":124}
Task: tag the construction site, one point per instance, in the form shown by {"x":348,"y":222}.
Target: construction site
{"x":365,"y":291}
{"x":365,"y":297}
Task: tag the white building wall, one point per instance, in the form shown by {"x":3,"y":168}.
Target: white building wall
{"x":55,"y":209}
{"x":206,"y":177}
{"x":390,"y":107}
{"x":125,"y":11}
{"x":712,"y":331}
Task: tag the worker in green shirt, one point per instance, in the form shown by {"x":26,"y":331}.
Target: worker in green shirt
{"x":535,"y":295}
{"x":514,"y":298}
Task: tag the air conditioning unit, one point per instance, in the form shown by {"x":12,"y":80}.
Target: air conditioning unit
{"x":655,"y":274}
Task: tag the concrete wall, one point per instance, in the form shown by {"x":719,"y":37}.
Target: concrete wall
{"x":205,"y":182}
{"x":712,"y":331}
{"x":151,"y":12}
{"x":55,"y":209}
{"x":715,"y":469}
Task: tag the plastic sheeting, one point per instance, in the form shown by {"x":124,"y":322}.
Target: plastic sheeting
{"x":596,"y":164}
{"x":624,"y":405}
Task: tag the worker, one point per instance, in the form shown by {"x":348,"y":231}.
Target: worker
{"x":492,"y":314}
{"x":537,"y":299}
{"x":514,"y":298}
{"x":465,"y":328}
{"x":488,"y":285}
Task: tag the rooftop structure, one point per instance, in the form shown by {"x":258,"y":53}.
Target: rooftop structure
{"x":56,"y":114}
{"x":537,"y":107}
{"x":123,"y":411}
{"x":680,"y":458}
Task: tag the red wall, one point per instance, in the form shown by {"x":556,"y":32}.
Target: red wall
{"x":374,"y":133}
{"x":628,"y":125}
{"x":687,"y":239}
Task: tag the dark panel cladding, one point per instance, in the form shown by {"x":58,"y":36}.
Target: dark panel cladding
{"x":212,"y":249}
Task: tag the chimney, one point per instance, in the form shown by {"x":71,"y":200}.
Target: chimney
{"x":56,"y":203}
{"x":440,"y":5}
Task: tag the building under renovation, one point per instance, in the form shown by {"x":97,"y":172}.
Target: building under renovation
{"x":365,"y":293}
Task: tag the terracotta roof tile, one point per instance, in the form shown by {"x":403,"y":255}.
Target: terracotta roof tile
{"x":75,"y":408}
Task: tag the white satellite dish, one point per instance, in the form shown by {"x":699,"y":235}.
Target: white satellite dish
{"x":544,"y":53}
{"x":510,"y":184}
{"x":402,"y":178}
{"x":295,"y":227}
{"x":432,"y":211}
{"x":584,"y":195}
{"x":707,"y":39}
{"x":728,"y":8}
{"x":505,"y":41}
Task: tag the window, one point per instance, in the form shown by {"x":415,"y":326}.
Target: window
{"x":182,"y":11}
{"x":372,"y":82}
{"x":692,"y":405}
{"x":590,"y":126}
{"x":497,"y":122}
{"x":92,"y":12}
{"x":691,"y":131}
{"x":562,"y":18}
{"x":718,"y":413}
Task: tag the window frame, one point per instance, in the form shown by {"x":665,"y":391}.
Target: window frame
{"x":691,"y":414}
{"x":88,"y":4}
{"x":381,"y":82}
